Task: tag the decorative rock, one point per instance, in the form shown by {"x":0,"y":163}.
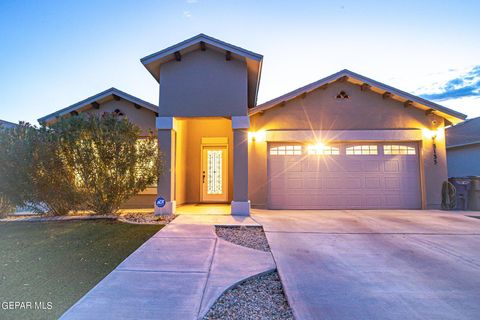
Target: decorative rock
{"x":250,"y":237}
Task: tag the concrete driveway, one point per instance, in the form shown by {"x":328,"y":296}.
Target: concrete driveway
{"x":346,"y":264}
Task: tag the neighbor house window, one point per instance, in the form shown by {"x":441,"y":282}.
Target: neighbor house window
{"x":398,"y":149}
{"x":318,"y":150}
{"x":362,"y":150}
{"x":286,"y":151}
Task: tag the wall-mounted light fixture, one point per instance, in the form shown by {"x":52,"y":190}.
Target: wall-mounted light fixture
{"x":258,"y":136}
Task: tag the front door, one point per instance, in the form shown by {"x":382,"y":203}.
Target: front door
{"x":214,"y":174}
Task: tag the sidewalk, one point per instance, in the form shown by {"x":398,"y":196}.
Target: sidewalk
{"x":178,"y":274}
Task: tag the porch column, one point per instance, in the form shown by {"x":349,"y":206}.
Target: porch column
{"x":166,"y":182}
{"x":240,"y":203}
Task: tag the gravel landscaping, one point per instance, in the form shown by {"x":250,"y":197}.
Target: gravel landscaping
{"x":128,"y":217}
{"x":250,"y":237}
{"x":261,"y":297}
{"x":145,"y":218}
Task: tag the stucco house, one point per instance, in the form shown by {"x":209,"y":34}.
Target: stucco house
{"x":343,"y":142}
{"x":7,"y":124}
{"x":463,"y":148}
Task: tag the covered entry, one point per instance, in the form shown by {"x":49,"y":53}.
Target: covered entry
{"x":344,"y":176}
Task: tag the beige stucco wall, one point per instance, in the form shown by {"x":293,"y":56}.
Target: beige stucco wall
{"x":181,"y":161}
{"x":145,"y":201}
{"x":142,"y":117}
{"x":189,"y":133}
{"x":203,"y":84}
{"x":364,"y":110}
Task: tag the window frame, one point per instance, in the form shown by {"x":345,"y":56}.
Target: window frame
{"x":396,"y":150}
{"x":286,"y":150}
{"x":327,"y":150}
{"x":359,"y":150}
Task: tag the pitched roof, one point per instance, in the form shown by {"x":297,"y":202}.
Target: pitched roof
{"x":7,"y":124}
{"x":101,"y":97}
{"x":402,"y":96}
{"x":253,"y":60}
{"x":464,"y":133}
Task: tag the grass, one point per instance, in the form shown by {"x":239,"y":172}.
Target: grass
{"x":58,"y":262}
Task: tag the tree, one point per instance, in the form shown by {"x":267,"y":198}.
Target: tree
{"x":33,"y":173}
{"x":110,"y":159}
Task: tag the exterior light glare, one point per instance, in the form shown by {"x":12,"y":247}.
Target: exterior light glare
{"x":258,"y":136}
{"x":433,"y":134}
{"x":318,"y":147}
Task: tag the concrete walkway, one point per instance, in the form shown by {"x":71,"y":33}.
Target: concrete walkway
{"x":178,"y":274}
{"x":347,"y":264}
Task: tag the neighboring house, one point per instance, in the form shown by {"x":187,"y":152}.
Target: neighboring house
{"x":7,"y":124}
{"x":463,"y":148}
{"x":343,"y":142}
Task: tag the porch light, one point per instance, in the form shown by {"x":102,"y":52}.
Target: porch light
{"x":258,"y":136}
{"x":433,"y":134}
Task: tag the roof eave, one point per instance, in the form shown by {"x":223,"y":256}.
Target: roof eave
{"x":149,"y":62}
{"x":99,"y":96}
{"x":449,"y":114}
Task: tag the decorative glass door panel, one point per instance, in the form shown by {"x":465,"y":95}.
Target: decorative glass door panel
{"x":214,"y":174}
{"x":214,"y":177}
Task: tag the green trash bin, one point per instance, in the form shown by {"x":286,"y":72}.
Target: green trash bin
{"x":474,"y":193}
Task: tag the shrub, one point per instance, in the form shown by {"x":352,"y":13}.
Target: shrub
{"x":33,"y":173}
{"x":110,"y":159}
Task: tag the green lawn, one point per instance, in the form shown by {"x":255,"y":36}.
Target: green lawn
{"x":59,"y":262}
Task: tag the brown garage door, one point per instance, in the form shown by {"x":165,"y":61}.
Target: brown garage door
{"x":344,"y":176}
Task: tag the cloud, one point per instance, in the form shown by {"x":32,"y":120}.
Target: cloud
{"x":187,"y":14}
{"x":465,"y":85}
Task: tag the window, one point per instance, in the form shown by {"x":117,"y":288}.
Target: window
{"x":362,"y":150}
{"x":314,"y":149}
{"x":398,"y":149}
{"x":286,"y":151}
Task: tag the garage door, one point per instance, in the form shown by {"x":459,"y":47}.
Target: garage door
{"x":344,"y":176}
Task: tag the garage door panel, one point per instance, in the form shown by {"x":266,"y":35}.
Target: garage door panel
{"x":294,"y":166}
{"x":373,"y":201}
{"x":391,"y":165}
{"x":295,"y":183}
{"x":372,"y":166}
{"x":350,"y":166}
{"x":373,"y":183}
{"x":313,"y":183}
{"x":344,"y":181}
{"x":392,"y":183}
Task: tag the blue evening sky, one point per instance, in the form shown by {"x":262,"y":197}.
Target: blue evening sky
{"x":55,"y":53}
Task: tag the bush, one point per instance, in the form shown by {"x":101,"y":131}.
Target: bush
{"x":33,"y":173}
{"x":110,"y":159}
